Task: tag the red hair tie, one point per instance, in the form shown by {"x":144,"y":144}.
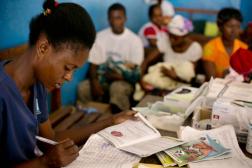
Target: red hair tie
{"x":56,"y":4}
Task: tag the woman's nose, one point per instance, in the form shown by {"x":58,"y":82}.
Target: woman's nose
{"x":68,"y":76}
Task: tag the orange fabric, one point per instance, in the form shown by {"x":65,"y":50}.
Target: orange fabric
{"x":214,"y":51}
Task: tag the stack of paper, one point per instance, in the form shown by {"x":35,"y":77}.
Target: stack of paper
{"x":228,"y":89}
{"x":204,"y":148}
{"x":100,"y":153}
{"x":165,"y":159}
{"x":184,"y":93}
{"x":224,"y":135}
{"x":138,"y":137}
{"x":171,"y":113}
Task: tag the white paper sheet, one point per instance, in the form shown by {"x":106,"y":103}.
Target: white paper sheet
{"x":226,"y":136}
{"x":99,"y":153}
{"x":151,"y":147}
{"x":129,"y":132}
{"x":137,"y":137}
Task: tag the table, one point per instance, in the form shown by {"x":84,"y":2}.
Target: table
{"x":153,"y":159}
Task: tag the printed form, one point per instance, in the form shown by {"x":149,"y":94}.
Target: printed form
{"x":226,"y":136}
{"x":138,"y":137}
{"x":100,"y":153}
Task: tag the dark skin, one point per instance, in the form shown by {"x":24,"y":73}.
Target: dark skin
{"x":230,"y":31}
{"x":117,"y":21}
{"x":179,"y":44}
{"x":52,"y":67}
{"x":166,"y":19}
{"x":157,"y":19}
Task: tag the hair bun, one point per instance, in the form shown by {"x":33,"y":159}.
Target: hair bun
{"x":50,"y":4}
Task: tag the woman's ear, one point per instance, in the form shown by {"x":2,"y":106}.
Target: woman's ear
{"x":42,"y":47}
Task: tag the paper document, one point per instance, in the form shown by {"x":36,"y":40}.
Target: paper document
{"x":226,"y":136}
{"x":183,"y":93}
{"x":203,"y":148}
{"x":99,"y":153}
{"x":165,"y":159}
{"x":138,"y":137}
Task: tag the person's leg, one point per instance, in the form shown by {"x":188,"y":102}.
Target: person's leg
{"x":120,"y":92}
{"x":84,"y":91}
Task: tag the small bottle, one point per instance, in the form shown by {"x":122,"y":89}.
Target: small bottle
{"x":249,"y":139}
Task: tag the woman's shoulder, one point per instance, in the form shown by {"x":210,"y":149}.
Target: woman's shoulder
{"x":213,"y":41}
{"x":196,"y":45}
{"x":241,"y":44}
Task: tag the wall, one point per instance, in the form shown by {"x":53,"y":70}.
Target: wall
{"x":16,"y":14}
{"x":244,"y":5}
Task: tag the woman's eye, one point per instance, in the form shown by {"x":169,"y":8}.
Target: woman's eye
{"x":67,"y":68}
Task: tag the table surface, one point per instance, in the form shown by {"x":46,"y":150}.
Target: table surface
{"x":153,"y":159}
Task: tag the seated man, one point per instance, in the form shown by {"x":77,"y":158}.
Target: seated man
{"x":115,"y":58}
{"x":152,"y":31}
{"x":217,"y":52}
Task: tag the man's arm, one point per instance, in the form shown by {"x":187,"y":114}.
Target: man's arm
{"x":96,"y":88}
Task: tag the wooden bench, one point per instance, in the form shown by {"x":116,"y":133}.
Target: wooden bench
{"x":70,"y":117}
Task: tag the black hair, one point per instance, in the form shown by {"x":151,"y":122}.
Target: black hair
{"x":227,"y":14}
{"x":116,"y":6}
{"x":151,"y":10}
{"x":63,"y":23}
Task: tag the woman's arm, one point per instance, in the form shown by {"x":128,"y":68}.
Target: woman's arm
{"x":56,"y":156}
{"x":209,"y":68}
{"x":80,"y":135}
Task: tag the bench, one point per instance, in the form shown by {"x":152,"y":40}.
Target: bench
{"x":71,"y":117}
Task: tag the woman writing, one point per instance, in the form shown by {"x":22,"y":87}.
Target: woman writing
{"x":59,"y":42}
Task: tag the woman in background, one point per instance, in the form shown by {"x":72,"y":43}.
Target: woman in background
{"x":180,"y":55}
{"x":217,"y":52}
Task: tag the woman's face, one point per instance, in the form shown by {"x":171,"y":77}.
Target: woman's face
{"x":157,"y":16}
{"x":57,"y":66}
{"x":176,"y":40}
{"x":231,"y":29}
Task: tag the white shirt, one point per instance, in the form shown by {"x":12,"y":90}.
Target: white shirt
{"x":126,"y":47}
{"x":151,"y":31}
{"x":192,"y":54}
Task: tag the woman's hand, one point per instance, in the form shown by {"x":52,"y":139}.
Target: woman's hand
{"x":146,"y":86}
{"x":123,"y":116}
{"x":169,"y":72}
{"x":61,"y":154}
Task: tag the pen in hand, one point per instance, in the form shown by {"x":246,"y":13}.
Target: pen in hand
{"x":45,"y":140}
